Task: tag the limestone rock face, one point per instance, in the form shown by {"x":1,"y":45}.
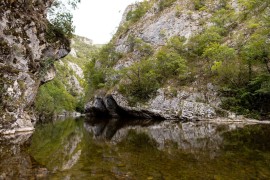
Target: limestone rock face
{"x":198,"y":100}
{"x":156,"y":28}
{"x":26,"y":60}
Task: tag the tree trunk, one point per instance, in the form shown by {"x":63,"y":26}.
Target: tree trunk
{"x":267,"y":61}
{"x":249,"y":70}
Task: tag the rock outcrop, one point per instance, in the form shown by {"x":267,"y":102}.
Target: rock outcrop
{"x":27,"y":53}
{"x":110,"y":107}
{"x":198,"y":100}
{"x":188,"y":104}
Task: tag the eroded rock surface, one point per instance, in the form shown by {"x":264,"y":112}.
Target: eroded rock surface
{"x":27,"y":53}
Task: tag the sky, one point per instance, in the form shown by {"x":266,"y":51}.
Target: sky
{"x":99,"y":19}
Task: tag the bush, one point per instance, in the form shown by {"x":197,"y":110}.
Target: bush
{"x":198,"y":4}
{"x":95,"y":77}
{"x":163,"y":4}
{"x":198,"y":43}
{"x":52,"y":98}
{"x":177,"y":43}
{"x":252,"y":100}
{"x":140,"y":10}
{"x":61,"y":19}
{"x":170,"y":63}
{"x":99,"y":71}
{"x":136,"y":44}
{"x":140,"y":81}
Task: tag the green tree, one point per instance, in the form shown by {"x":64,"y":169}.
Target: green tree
{"x":257,"y":49}
{"x":139,"y":11}
{"x":170,"y":63}
{"x":140,"y":81}
{"x":218,"y":52}
{"x":199,"y":42}
{"x":61,"y":18}
{"x":52,"y":98}
{"x":163,"y":4}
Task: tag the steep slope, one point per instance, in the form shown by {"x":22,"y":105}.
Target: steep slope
{"x":26,"y":55}
{"x":191,"y":59}
{"x":66,"y":92}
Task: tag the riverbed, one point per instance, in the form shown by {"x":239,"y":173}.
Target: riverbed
{"x":137,"y":149}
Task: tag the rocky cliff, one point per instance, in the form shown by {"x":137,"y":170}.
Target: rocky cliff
{"x":27,"y":53}
{"x":161,"y":57}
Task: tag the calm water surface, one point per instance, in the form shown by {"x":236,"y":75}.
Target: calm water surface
{"x":121,"y":149}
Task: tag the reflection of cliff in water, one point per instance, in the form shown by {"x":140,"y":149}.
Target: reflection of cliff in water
{"x":188,"y":136}
{"x":137,"y":149}
{"x":15,"y":162}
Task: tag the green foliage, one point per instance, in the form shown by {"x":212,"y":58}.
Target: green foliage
{"x":218,"y":52}
{"x":198,"y":43}
{"x":140,"y":10}
{"x":58,"y":94}
{"x":163,"y":4}
{"x":141,"y":81}
{"x":99,"y":73}
{"x":137,"y":44}
{"x":257,"y":48}
{"x":60,"y":18}
{"x":95,"y":77}
{"x":52,"y":98}
{"x":198,"y":4}
{"x":107,"y":56}
{"x":224,"y":18}
{"x":252,"y":100}
{"x":170,"y":63}
{"x":62,"y":24}
{"x":254,"y":5}
{"x":177,"y":43}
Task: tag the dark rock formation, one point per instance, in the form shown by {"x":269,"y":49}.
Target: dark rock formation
{"x":107,"y":106}
{"x":27,"y":54}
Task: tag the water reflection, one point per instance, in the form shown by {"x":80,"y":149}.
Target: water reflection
{"x":15,"y":162}
{"x":137,"y":149}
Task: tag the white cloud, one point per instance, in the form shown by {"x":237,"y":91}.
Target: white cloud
{"x":98,"y":19}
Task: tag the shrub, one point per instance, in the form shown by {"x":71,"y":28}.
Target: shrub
{"x":198,"y":4}
{"x":60,"y":18}
{"x":219,"y":53}
{"x":163,"y":4}
{"x":95,"y":77}
{"x":140,"y":10}
{"x":177,"y":43}
{"x":140,"y":81}
{"x":136,"y":44}
{"x":52,"y":98}
{"x":198,"y":43}
{"x":252,"y":100}
{"x":170,"y":63}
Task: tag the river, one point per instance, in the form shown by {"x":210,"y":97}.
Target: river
{"x":137,"y":149}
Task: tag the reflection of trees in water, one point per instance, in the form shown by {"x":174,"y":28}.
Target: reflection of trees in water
{"x":121,"y":148}
{"x":58,"y":145}
{"x":15,"y":162}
